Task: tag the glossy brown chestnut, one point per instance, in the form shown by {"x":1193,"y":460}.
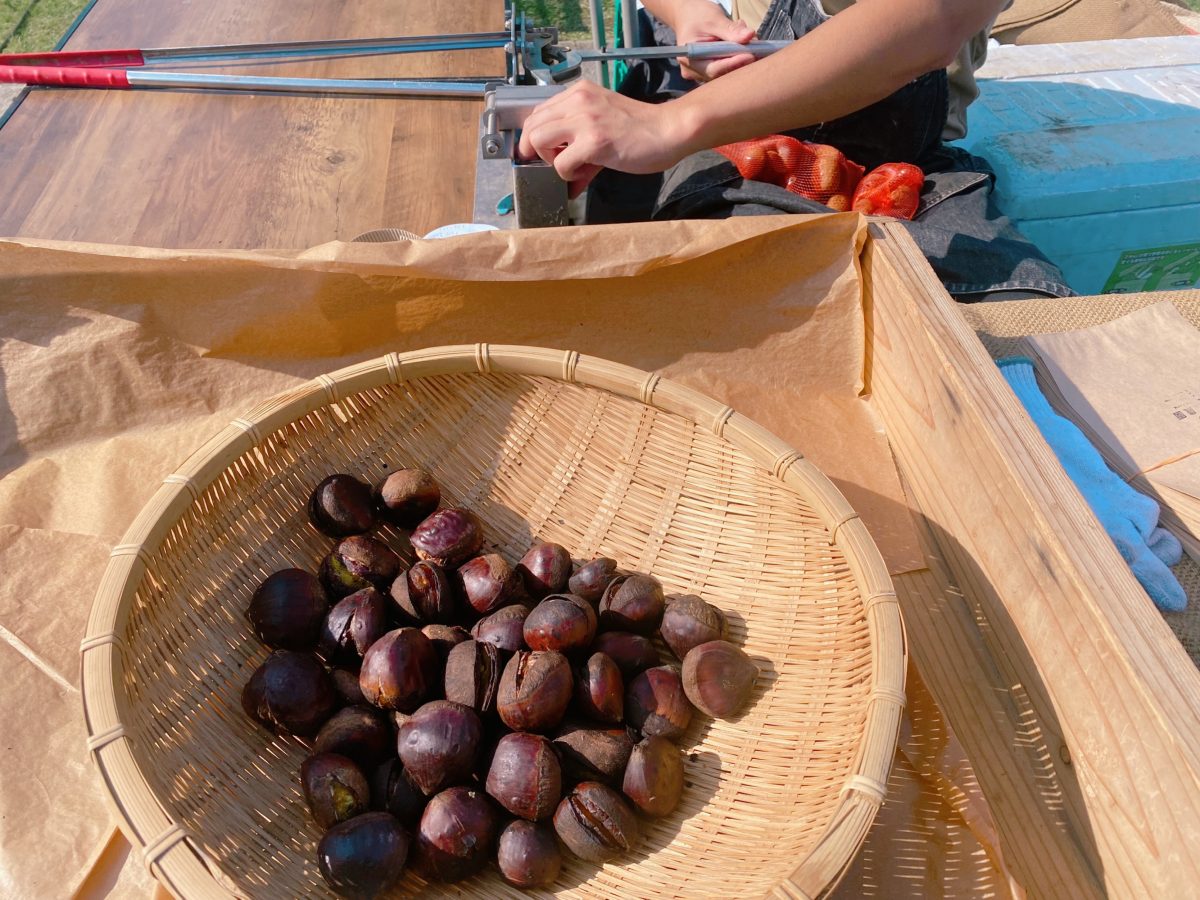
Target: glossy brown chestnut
{"x":406,"y":497}
{"x":473,"y":670}
{"x":361,"y":733}
{"x":600,"y":690}
{"x":393,"y":791}
{"x":545,"y":569}
{"x":594,"y":754}
{"x":505,"y":628}
{"x":488,"y":582}
{"x":632,"y":603}
{"x":400,"y":671}
{"x":534,"y":690}
{"x":656,"y":704}
{"x":356,"y":622}
{"x":287,"y":610}
{"x":633,"y":653}
{"x":456,"y":834}
{"x":445,"y":637}
{"x":364,"y":856}
{"x":290,"y":693}
{"x":561,"y":622}
{"x":448,"y":537}
{"x":596,"y":823}
{"x":718,"y":678}
{"x":359,"y":562}
{"x":334,"y":788}
{"x":340,"y":506}
{"x":425,"y":594}
{"x":592,"y":578}
{"x":528,"y":855}
{"x":345,"y":683}
{"x":439,"y":744}
{"x":654,"y":777}
{"x":688,"y":622}
{"x":525,"y":777}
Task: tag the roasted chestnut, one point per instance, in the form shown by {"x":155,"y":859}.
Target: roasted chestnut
{"x":528,"y":855}
{"x":425,"y":594}
{"x":718,"y":678}
{"x":688,"y":621}
{"x":359,"y":562}
{"x":632,"y":603}
{"x":406,"y":497}
{"x":592,"y":578}
{"x":525,"y":777}
{"x":456,"y":834}
{"x":534,"y":690}
{"x":654,"y":777}
{"x":356,"y":622}
{"x":287,"y":610}
{"x":600,"y":690}
{"x":364,"y":856}
{"x":400,"y":670}
{"x":448,"y":537}
{"x":632,"y":653}
{"x":656,"y":704}
{"x":394,"y":791}
{"x":291,"y":693}
{"x":361,"y":733}
{"x":488,"y":582}
{"x":439,"y":743}
{"x":345,"y":683}
{"x":594,"y":754}
{"x":545,"y":569}
{"x":472,"y":678}
{"x":340,"y":506}
{"x":505,"y":628}
{"x":595,"y":823}
{"x":561,"y":622}
{"x":445,"y":637}
{"x":334,"y":788}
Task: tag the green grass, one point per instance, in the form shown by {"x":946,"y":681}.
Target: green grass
{"x":569,"y":16}
{"x":45,"y":21}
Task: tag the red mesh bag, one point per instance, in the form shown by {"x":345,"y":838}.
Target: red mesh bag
{"x":893,"y":189}
{"x":816,"y":171}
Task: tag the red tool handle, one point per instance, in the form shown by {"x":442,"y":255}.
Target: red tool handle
{"x":52,"y":75}
{"x":85,"y":59}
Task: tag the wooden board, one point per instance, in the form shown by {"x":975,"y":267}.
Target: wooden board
{"x":239,"y":171}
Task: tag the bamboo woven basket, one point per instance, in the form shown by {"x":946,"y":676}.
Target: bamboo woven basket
{"x":542,"y":444}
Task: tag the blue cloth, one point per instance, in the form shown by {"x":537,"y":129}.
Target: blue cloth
{"x":1129,"y":517}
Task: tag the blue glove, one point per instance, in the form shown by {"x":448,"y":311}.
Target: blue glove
{"x":1129,"y":517}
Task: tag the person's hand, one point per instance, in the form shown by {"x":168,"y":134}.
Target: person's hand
{"x":702,"y":20}
{"x":587,"y":128}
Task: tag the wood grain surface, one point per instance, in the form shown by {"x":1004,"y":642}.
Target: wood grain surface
{"x":190,"y":169}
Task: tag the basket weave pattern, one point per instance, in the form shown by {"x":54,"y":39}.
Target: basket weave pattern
{"x":538,"y":457}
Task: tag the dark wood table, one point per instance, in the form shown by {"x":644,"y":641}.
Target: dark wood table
{"x":190,"y":169}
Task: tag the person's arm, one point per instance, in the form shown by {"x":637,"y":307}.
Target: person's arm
{"x":859,"y":56}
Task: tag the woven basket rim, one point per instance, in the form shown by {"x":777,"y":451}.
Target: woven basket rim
{"x":180,"y":864}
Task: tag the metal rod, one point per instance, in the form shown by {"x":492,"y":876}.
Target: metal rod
{"x":429,"y":43}
{"x":599,"y":38}
{"x":697,"y":50}
{"x":629,"y":23}
{"x":365,"y":87}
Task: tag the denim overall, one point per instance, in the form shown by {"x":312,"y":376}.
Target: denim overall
{"x":975,"y":251}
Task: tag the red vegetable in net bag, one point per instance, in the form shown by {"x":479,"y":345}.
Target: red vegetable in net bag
{"x":893,"y":189}
{"x":816,"y":171}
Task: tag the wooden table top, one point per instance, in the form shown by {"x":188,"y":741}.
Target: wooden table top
{"x":190,"y":169}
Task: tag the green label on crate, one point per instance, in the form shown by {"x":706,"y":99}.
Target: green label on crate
{"x":1173,"y":268}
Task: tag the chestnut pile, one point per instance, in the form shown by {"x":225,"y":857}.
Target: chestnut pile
{"x":548,"y":724}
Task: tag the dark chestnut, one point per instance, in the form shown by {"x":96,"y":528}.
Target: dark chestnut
{"x":448,"y":537}
{"x":400,"y":670}
{"x":488,"y":582}
{"x":341,"y":506}
{"x":528,"y":855}
{"x":359,"y":562}
{"x":439,"y":744}
{"x":534,"y":690}
{"x":592,"y":578}
{"x":334,"y":788}
{"x":287,"y":610}
{"x":356,"y":622}
{"x":472,"y":677}
{"x":595,"y":823}
{"x":505,"y":628}
{"x":445,"y":637}
{"x":656,"y":704}
{"x":525,"y":777}
{"x":632,"y":603}
{"x":633,"y":653}
{"x":406,"y":497}
{"x":561,"y":622}
{"x":394,"y":791}
{"x":425,"y":594}
{"x":456,"y":834}
{"x":345,"y":683}
{"x":545,"y":569}
{"x":688,"y":621}
{"x":600,"y":690}
{"x":291,"y":693}
{"x":718,"y":678}
{"x":594,"y":754}
{"x":654,"y":777}
{"x":361,"y":733}
{"x":364,"y":856}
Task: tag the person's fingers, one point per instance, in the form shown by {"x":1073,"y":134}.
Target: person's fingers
{"x":576,"y":159}
{"x":582,"y":179}
{"x":718,"y":67}
{"x":728,"y":30}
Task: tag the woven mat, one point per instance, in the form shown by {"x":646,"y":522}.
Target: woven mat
{"x":1002,"y":328}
